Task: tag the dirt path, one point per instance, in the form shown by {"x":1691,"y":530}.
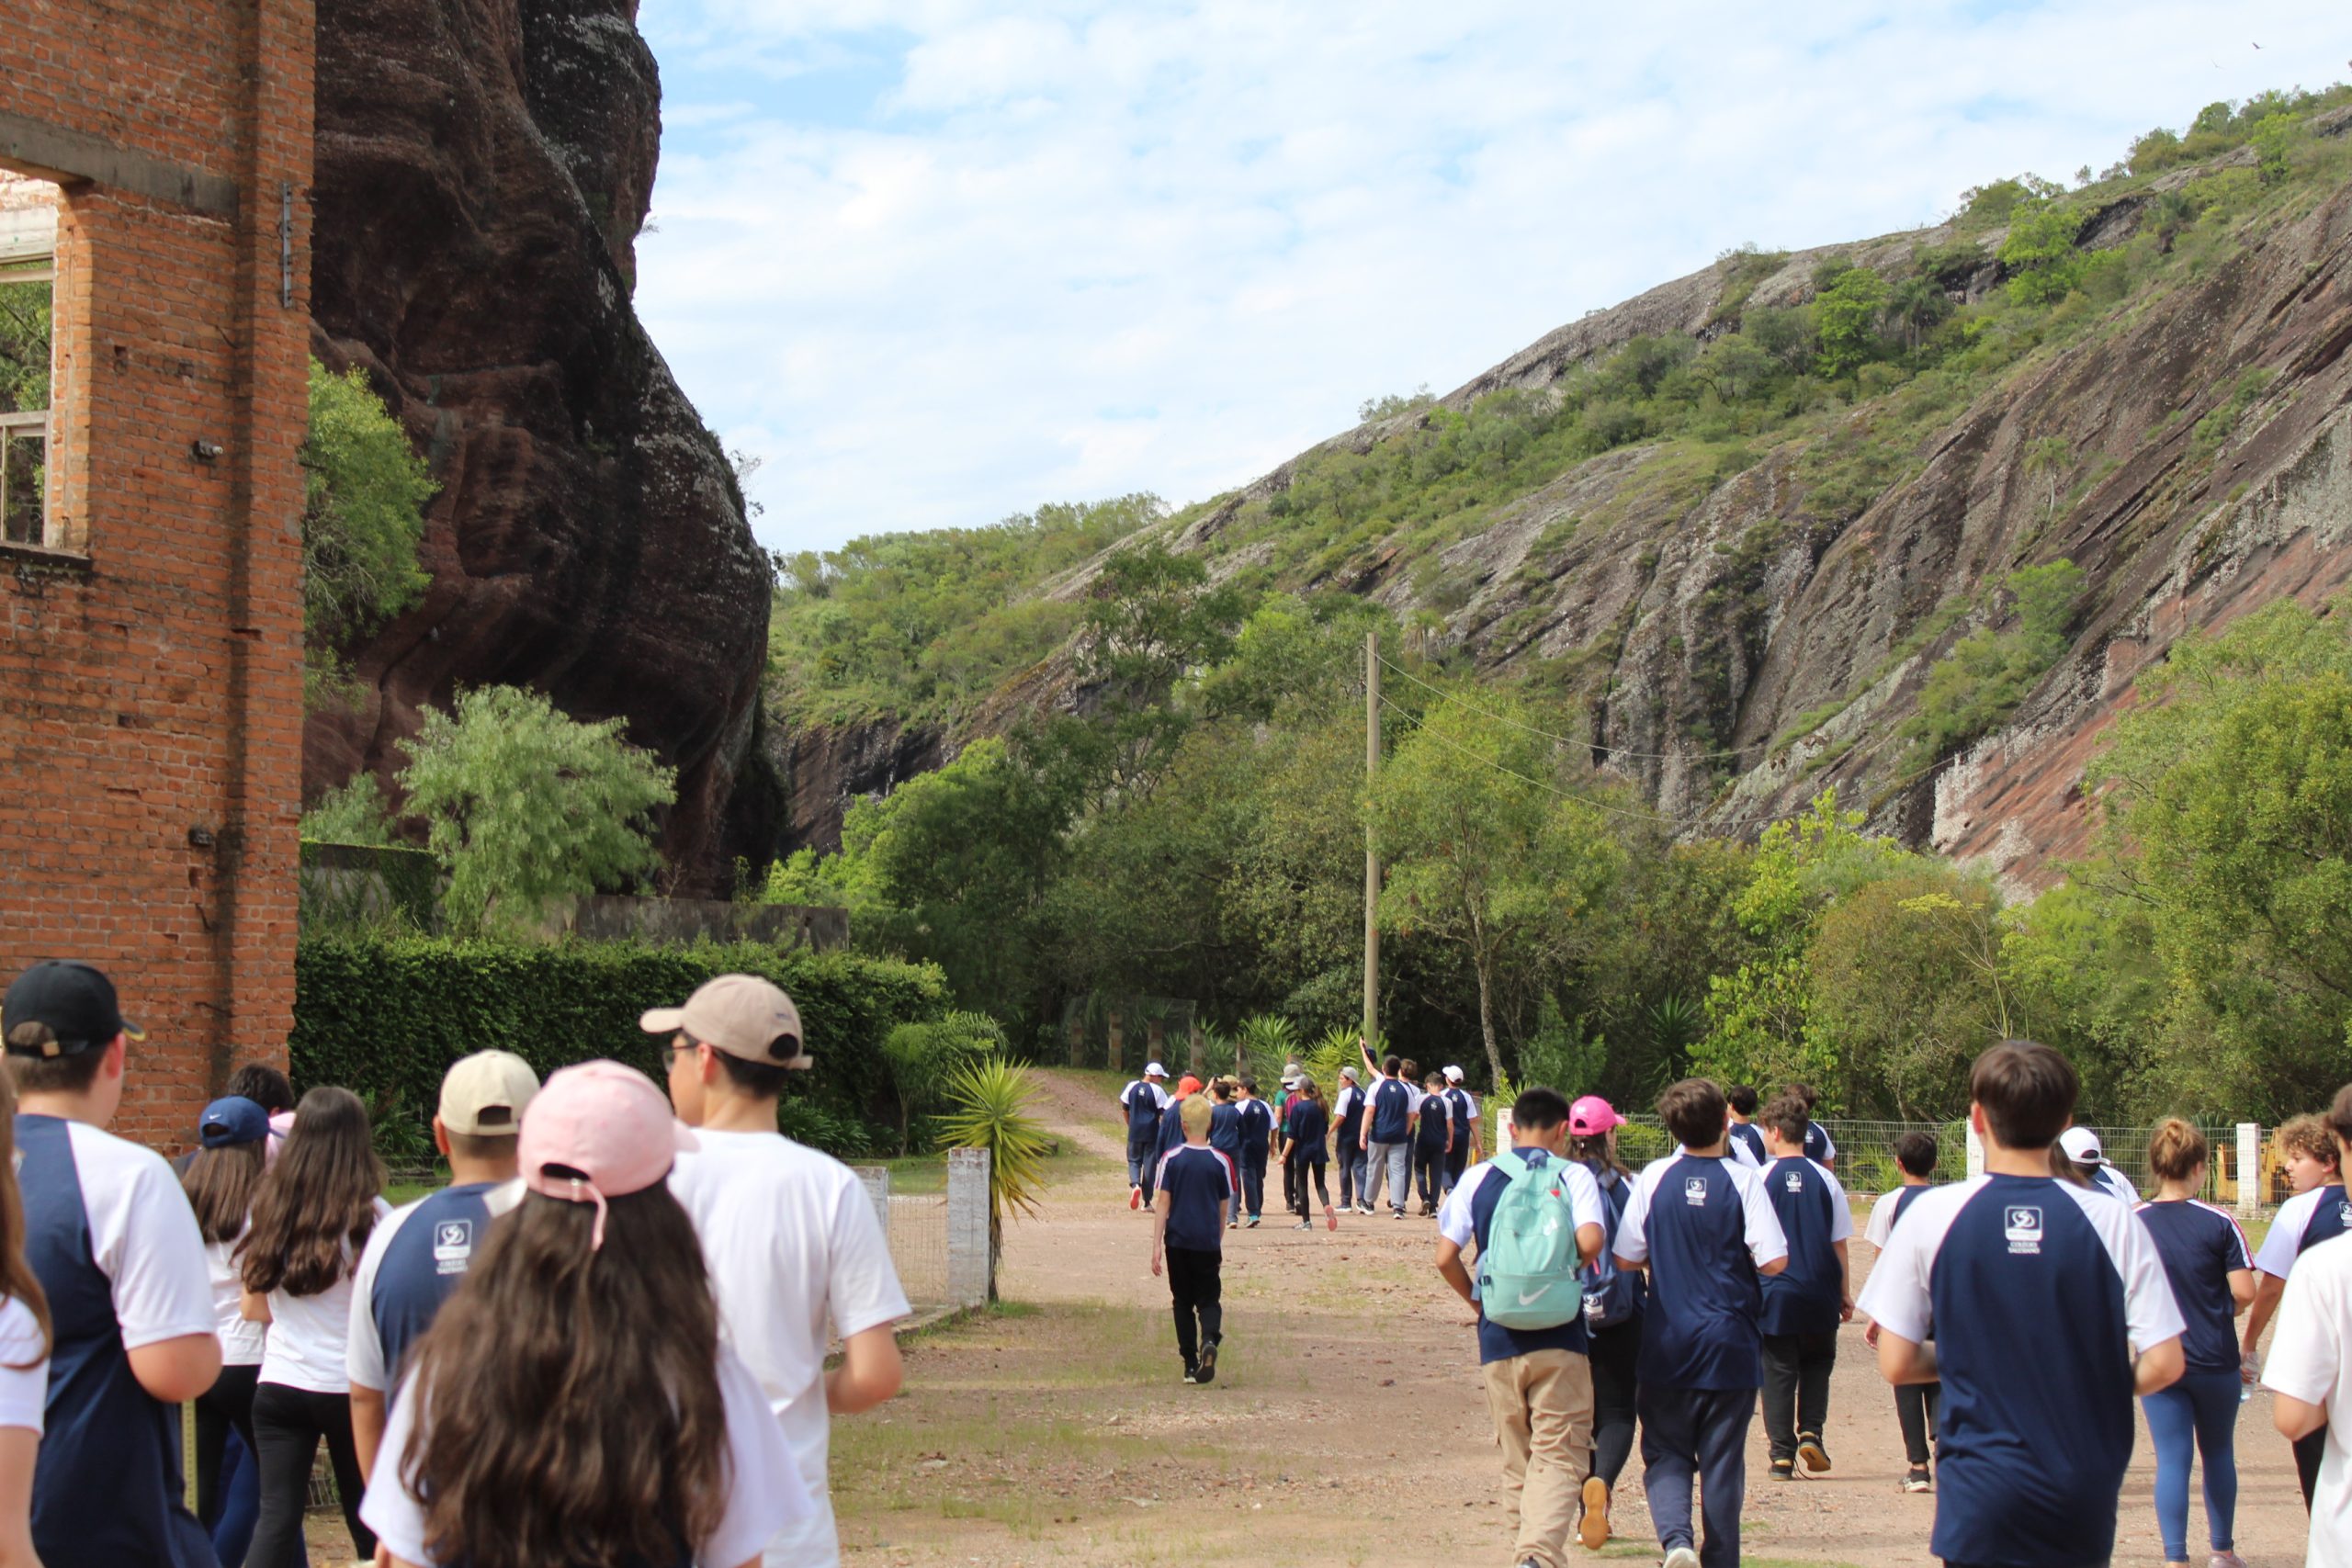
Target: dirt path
{"x":1346,"y":1426}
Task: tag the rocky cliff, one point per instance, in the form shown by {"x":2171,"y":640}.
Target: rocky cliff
{"x":483,"y":168}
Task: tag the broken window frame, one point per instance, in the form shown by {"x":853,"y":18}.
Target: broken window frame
{"x":28,"y":254}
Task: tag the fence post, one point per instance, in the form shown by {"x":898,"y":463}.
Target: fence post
{"x":969,"y":1278}
{"x":876,"y":1179}
{"x":2249,"y":1168}
{"x":1975,"y":1151}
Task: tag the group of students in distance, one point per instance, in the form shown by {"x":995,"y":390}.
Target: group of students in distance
{"x":604,"y":1344}
{"x":2017,"y":1314}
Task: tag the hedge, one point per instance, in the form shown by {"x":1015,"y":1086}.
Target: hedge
{"x":386,"y":1015}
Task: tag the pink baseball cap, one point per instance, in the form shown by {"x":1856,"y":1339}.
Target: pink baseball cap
{"x":608,"y":1122}
{"x":1593,"y":1116}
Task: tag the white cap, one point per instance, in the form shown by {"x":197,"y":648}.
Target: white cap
{"x":1155,"y":1071}
{"x":1454,"y":1075}
{"x":2081,"y":1146}
{"x":1349,"y":1074}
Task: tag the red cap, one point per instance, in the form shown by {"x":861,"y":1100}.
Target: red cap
{"x":608,"y":1122}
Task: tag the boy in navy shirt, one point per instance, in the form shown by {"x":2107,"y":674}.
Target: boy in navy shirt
{"x":1746,"y":1143}
{"x":1463,"y":1109}
{"x":1225,"y":1137}
{"x":1818,"y":1146}
{"x":1432,"y":1143}
{"x":1347,"y":1141}
{"x":1702,"y":1225}
{"x":1140,"y":1104}
{"x":1915,"y":1403}
{"x":1257,"y":1118}
{"x":1386,"y":1139}
{"x":1804,"y":1302}
{"x":1195,"y":1183}
{"x":2036,"y":1293}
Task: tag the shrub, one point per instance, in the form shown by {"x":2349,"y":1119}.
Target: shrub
{"x":364,"y":510}
{"x":385,"y":1016}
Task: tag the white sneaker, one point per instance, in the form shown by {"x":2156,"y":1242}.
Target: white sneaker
{"x":1682,"y":1557}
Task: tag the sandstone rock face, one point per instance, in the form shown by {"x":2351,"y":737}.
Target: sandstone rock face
{"x":483,"y":168}
{"x":825,"y":768}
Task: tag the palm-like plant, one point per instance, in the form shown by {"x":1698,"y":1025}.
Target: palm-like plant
{"x":988,"y":1109}
{"x":1264,"y":1043}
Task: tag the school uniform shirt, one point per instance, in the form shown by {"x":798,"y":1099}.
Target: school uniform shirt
{"x":1256,"y":1119}
{"x":1889,"y":1209}
{"x":1143,"y":1100}
{"x":1736,"y":1152}
{"x":1464,"y":1108}
{"x":2114,"y":1183}
{"x":1198,"y":1181}
{"x":1747,"y":1144}
{"x":24,"y":1367}
{"x":1304,"y":1133}
{"x":309,"y":1336}
{"x":2201,"y":1245}
{"x":1808,"y":1295}
{"x":2304,"y":1221}
{"x":1818,"y":1146}
{"x":1469,"y":1210}
{"x":764,"y":1492}
{"x":2311,"y":1360}
{"x":793,"y":1246}
{"x":1171,"y":1130}
{"x":1392,"y":1110}
{"x":1225,"y":1128}
{"x":413,"y":1260}
{"x":2035,"y":1291}
{"x":1349,"y":1108}
{"x":1434,"y":1127}
{"x":241,"y":1342}
{"x":1705,"y":1227}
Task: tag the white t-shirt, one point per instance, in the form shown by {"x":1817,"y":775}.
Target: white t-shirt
{"x":143,"y":1239}
{"x":2295,"y":1217}
{"x":309,"y":1335}
{"x":792,"y":1241}
{"x":24,"y":1391}
{"x":2311,"y":1360}
{"x":242,"y":1342}
{"x":763,"y":1494}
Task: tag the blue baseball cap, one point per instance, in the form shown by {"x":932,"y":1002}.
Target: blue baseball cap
{"x":234,"y":1118}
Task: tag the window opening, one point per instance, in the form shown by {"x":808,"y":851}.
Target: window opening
{"x":28,"y":282}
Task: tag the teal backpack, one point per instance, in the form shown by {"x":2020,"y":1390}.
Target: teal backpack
{"x":1528,"y":1272}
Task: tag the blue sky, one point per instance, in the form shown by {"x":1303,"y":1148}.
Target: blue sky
{"x":936,"y":262}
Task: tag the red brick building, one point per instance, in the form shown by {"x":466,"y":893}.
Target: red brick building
{"x":151,"y":617}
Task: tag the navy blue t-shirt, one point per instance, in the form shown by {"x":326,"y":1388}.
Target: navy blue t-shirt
{"x":1429,"y":1138}
{"x":1225,"y":1128}
{"x":424,"y":1261}
{"x":1392,"y":1110}
{"x":1198,"y":1183}
{"x":1816,"y":1144}
{"x":1807,"y":1296}
{"x":1745,"y":1135}
{"x":1172,"y":1130}
{"x":1257,"y":1127}
{"x":1308,"y":1123}
{"x":1703,"y":1225}
{"x":2201,"y":1246}
{"x":1351,"y":1114}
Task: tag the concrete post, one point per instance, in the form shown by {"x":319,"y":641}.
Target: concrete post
{"x":1975,"y":1152}
{"x":876,"y":1179}
{"x":970,"y":1273}
{"x":2249,"y":1168}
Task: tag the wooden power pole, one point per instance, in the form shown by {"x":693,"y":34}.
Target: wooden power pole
{"x":1371,"y":856}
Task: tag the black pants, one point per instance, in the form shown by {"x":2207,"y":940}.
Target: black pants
{"x":1429,"y":1172}
{"x":1615,"y":1352}
{"x":287,"y":1424}
{"x":228,"y":1404}
{"x":1915,"y":1407}
{"x":1457,"y":1160}
{"x":1253,"y":1182}
{"x":1196,"y":1290}
{"x":1290,"y":1181}
{"x":2309,"y":1448}
{"x":1797,"y":1387}
{"x":1295,"y":1175}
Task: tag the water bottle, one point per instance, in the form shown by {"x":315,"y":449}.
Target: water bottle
{"x":2249,"y":1373}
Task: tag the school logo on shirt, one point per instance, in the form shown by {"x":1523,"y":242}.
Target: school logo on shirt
{"x":453,"y":1246}
{"x":1794,"y":1181}
{"x":2023,"y":1224}
{"x":1694,"y":1190}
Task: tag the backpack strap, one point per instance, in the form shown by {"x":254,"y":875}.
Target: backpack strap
{"x":1510,"y":1164}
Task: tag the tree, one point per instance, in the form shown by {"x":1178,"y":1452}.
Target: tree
{"x":1907,"y":987}
{"x":363,"y":510}
{"x":1918,"y":305}
{"x":2040,"y":254}
{"x":1846,"y":316}
{"x":2051,"y":457}
{"x":1509,"y":870}
{"x":353,"y":814}
{"x":2273,"y":134}
{"x":524,"y":806}
{"x":923,"y":1058}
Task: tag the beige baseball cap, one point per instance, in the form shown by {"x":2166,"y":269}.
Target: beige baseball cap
{"x":482,"y":1096}
{"x":740,"y":1014}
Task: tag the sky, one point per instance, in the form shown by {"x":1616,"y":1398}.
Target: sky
{"x":938,"y":262}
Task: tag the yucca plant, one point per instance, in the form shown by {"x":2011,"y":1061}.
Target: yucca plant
{"x":988,"y":1109}
{"x":1265,"y":1040}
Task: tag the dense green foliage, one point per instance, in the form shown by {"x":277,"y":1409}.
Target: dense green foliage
{"x":24,"y":345}
{"x":351,"y":814}
{"x":386,"y":1016}
{"x":524,"y":806}
{"x":363,"y":512}
{"x":988,"y":1100}
{"x":1971,"y":691}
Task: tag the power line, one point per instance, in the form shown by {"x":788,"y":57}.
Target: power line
{"x":1512,"y":772}
{"x":1562,"y":739}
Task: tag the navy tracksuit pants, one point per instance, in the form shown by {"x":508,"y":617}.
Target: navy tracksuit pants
{"x":1699,"y":1432}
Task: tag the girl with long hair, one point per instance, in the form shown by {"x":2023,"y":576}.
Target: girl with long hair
{"x":1305,"y":1155}
{"x":24,"y":1353}
{"x":311,"y":1214}
{"x":221,"y":1180}
{"x":573,"y":1404}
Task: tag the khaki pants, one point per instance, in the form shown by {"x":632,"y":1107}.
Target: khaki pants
{"x":1541,"y":1404}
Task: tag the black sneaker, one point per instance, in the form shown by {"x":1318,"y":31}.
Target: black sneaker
{"x":1815,"y":1457}
{"x":1192,"y":1374}
{"x":1207,"y":1371}
{"x":1784,"y":1470}
{"x":1917,"y":1481}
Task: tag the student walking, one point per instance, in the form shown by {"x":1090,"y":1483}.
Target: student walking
{"x":111,"y":1241}
{"x":1538,"y":1380}
{"x":2081,"y":1146}
{"x":1805,"y":1302}
{"x":1303,"y":1150}
{"x":422,"y":1252}
{"x":1257,"y":1136}
{"x":1195,"y":1183}
{"x":1140,"y":1104}
{"x":1225,"y":1137}
{"x":2211,"y":1274}
{"x":1818,"y":1146}
{"x":1746,"y":1143}
{"x":2039,"y":1292}
{"x":312,"y":1215}
{"x":1915,"y":1403}
{"x":1171,"y":1120}
{"x":1704,"y":1228}
{"x":1347,"y":1142}
{"x":1432,"y":1146}
{"x":1613,"y":1300}
{"x":1386,"y":1139}
{"x":574,"y":1400}
{"x":797,"y":1256}
{"x":24,"y":1353}
{"x":222,"y":1179}
{"x":2309,"y":1374}
{"x":2320,"y":1209}
{"x":1463,"y":1107}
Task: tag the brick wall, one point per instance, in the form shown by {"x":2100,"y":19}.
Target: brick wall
{"x":150,"y":690}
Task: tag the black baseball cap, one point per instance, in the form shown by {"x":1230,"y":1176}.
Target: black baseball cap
{"x":72,"y":1007}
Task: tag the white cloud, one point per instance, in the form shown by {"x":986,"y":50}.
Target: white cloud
{"x":939,"y":261}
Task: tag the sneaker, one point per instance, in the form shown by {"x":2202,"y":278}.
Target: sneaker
{"x":1232,"y":1224}
{"x":2225,"y":1559}
{"x":1396,"y":1214}
{"x":1135,"y":1197}
{"x":1192,"y":1374}
{"x":1784,"y":1470}
{"x":1815,"y":1457}
{"x":1252,"y":1225}
{"x":1330,"y":1217}
{"x":1917,"y":1482}
{"x":1208,"y":1373}
{"x":1304,"y":1226}
{"x":1681,"y":1557}
{"x":1593,"y":1528}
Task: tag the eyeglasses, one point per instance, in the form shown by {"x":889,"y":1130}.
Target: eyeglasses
{"x":680,"y":1043}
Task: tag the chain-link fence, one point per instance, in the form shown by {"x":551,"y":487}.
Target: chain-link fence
{"x":917,"y":1227}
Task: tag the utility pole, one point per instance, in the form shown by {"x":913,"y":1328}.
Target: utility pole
{"x":1371,"y":856}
